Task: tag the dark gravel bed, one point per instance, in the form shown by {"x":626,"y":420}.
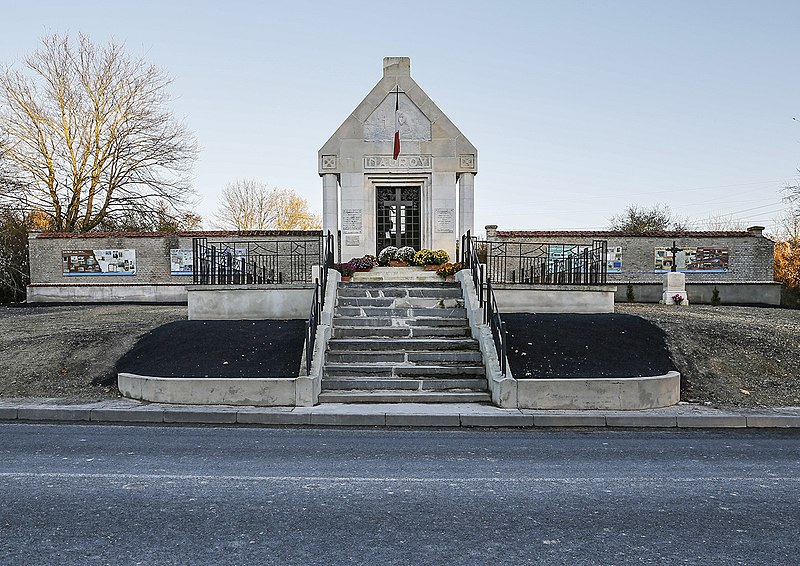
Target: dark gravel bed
{"x":218,"y":348}
{"x":585,"y":345}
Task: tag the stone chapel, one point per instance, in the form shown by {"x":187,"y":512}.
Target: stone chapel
{"x":421,"y":197}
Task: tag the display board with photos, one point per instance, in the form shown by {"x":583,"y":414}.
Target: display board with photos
{"x":614,"y":259}
{"x":693,"y":259}
{"x":98,"y":262}
{"x":180,"y":261}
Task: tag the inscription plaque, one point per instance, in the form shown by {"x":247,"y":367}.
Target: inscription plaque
{"x":444,"y":220}
{"x":351,"y":220}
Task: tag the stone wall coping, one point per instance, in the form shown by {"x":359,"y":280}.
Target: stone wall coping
{"x":614,"y":234}
{"x":181,"y":234}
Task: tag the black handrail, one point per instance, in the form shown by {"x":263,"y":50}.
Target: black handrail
{"x":546,"y":263}
{"x":487,"y":300}
{"x":318,"y":300}
{"x":256,"y":262}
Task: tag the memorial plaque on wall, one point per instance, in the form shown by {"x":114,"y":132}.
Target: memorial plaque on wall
{"x":98,"y":262}
{"x":444,"y":220}
{"x":702,"y":258}
{"x":351,"y":220}
{"x":180,"y":261}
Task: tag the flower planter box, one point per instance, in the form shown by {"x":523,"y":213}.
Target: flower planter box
{"x":395,"y":263}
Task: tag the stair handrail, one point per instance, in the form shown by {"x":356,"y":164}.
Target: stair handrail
{"x":318,"y":299}
{"x":487,"y":300}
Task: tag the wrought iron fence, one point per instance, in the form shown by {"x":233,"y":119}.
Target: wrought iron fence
{"x":318,"y":300}
{"x":255,"y":262}
{"x":486,"y":299}
{"x":548,"y":264}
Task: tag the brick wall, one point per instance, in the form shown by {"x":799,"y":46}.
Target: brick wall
{"x":152,"y":254}
{"x":750,"y":253}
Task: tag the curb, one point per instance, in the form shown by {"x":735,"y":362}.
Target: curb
{"x":399,"y":415}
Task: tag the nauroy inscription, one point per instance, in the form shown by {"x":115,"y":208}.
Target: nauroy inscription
{"x":402,"y":162}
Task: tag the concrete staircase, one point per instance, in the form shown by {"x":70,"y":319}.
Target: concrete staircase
{"x":402,"y":342}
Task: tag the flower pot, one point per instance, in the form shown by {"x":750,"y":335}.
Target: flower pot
{"x":450,"y":278}
{"x":430,"y":267}
{"x":395,"y":263}
{"x":346,"y":277}
{"x":364,"y":270}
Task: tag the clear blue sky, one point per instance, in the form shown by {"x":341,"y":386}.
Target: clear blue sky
{"x":577,"y":108}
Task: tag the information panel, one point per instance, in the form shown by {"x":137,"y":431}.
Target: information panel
{"x":702,"y":258}
{"x":180,"y":261}
{"x":98,"y":262}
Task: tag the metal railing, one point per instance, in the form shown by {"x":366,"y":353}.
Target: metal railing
{"x":486,"y":298}
{"x":318,"y":300}
{"x":255,"y":262}
{"x":546,"y":264}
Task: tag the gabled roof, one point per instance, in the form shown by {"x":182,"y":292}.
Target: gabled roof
{"x":397,"y":75}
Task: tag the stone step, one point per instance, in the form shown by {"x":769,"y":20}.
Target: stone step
{"x":403,"y":275}
{"x":431,"y":371}
{"x":400,"y":312}
{"x":400,"y":331}
{"x":401,"y":285}
{"x":446,"y":357}
{"x":416,"y":344}
{"x":387,"y":384}
{"x":383,"y":396}
{"x":400,"y":302}
{"x":403,"y":322}
{"x":393,"y":292}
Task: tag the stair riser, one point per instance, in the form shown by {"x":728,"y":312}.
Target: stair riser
{"x":346,"y":292}
{"x":478,"y":385}
{"x":401,"y":397}
{"x":356,"y":371}
{"x":460,"y":313}
{"x":404,"y":285}
{"x":399,"y":332}
{"x":400,"y":303}
{"x":399,"y":322}
{"x":379,"y":357}
{"x":340,"y":344}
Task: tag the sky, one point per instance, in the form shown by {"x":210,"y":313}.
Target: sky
{"x":577,"y":108}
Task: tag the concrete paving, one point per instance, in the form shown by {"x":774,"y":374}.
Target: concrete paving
{"x":449,"y":415}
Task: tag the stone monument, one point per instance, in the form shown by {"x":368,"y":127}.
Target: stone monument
{"x":397,"y":171}
{"x":674,"y":282}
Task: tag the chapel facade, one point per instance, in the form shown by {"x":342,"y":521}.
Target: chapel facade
{"x":397,"y":172}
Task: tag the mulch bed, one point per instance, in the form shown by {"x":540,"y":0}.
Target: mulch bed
{"x":218,"y":348}
{"x":585,"y":345}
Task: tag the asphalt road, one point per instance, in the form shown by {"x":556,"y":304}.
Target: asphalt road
{"x":76,"y":494}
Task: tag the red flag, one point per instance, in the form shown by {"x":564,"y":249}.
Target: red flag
{"x":396,"y":126}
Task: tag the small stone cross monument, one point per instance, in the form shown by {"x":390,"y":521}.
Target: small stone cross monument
{"x":674,"y":282}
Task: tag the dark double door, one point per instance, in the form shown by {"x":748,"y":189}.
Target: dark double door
{"x":398,"y":217}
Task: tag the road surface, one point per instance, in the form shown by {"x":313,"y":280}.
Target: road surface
{"x":92,"y":494}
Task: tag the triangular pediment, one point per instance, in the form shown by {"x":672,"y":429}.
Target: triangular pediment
{"x":424,"y":128}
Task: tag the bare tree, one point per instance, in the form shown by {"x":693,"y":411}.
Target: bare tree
{"x":89,"y":138}
{"x":638,"y":219}
{"x":251,"y":205}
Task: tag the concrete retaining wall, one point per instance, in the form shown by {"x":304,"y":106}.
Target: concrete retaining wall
{"x":600,"y":393}
{"x":263,"y":392}
{"x":555,"y":298}
{"x":249,"y":302}
{"x":759,"y":293}
{"x":119,"y":293}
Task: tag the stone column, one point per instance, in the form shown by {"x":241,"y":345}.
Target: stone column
{"x":330,"y":209}
{"x":466,"y":203}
